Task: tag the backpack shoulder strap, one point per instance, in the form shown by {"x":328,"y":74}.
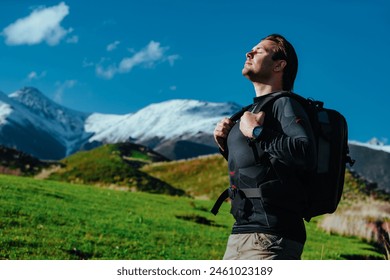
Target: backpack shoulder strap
{"x":236,"y":116}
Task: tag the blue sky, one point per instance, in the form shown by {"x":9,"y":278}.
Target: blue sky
{"x":119,"y":56}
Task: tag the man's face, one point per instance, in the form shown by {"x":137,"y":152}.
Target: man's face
{"x":259,"y":64}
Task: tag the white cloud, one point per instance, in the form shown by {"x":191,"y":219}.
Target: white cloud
{"x":148,"y":57}
{"x":42,"y":25}
{"x":61,"y":87}
{"x":106,"y":73}
{"x":35,"y":76}
{"x":113,"y":46}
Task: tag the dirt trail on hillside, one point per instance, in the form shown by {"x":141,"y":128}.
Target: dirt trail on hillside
{"x":45,"y":173}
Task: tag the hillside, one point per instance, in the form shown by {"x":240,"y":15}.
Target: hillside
{"x":364,"y":212}
{"x":206,"y":177}
{"x":53,"y":220}
{"x":114,"y":166}
{"x":364,"y":209}
{"x":19,"y":163}
{"x":203,"y":177}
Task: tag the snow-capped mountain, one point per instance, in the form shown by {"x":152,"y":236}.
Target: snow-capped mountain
{"x":372,"y":162}
{"x":176,"y":129}
{"x":63,"y":124}
{"x":34,"y":124}
{"x":167,"y":120}
{"x":374,"y":144}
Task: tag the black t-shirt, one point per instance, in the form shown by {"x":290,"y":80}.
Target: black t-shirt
{"x":287,"y":141}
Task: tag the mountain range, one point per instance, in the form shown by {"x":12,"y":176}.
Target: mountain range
{"x":32,"y":123}
{"x":177,"y":129}
{"x":372,"y":163}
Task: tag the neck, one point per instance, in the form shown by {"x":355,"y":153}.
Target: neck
{"x":264,"y":89}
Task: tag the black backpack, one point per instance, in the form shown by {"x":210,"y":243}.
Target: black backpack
{"x":323,"y":186}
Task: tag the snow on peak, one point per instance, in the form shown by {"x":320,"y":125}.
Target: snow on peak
{"x":165,"y":120}
{"x":40,"y":104}
{"x":5,"y":110}
{"x":66,"y":125}
{"x":375,"y":141}
{"x":33,"y":99}
{"x":374,"y":144}
{"x":27,"y":92}
{"x":44,"y":107}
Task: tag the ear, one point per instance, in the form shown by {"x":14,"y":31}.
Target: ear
{"x":279,"y":65}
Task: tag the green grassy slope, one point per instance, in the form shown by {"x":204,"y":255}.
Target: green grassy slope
{"x":114,"y":165}
{"x":207,"y":176}
{"x":42,"y":219}
{"x":54,"y":220}
{"x":199,"y":177}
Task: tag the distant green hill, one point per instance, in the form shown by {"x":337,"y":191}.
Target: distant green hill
{"x":205,"y":176}
{"x":115,"y":166}
{"x":133,"y":167}
{"x":43,"y":219}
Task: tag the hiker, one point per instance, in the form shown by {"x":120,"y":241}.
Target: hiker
{"x":268,"y":152}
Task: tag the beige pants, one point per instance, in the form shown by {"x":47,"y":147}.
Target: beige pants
{"x":261,"y":246}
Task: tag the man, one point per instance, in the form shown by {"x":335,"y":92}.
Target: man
{"x":268,"y":152}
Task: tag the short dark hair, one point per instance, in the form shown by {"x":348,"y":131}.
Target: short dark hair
{"x":285,"y":51}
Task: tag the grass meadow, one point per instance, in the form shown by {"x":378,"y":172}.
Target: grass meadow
{"x":51,"y":220}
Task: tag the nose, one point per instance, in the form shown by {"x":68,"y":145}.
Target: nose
{"x":249,"y":54}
